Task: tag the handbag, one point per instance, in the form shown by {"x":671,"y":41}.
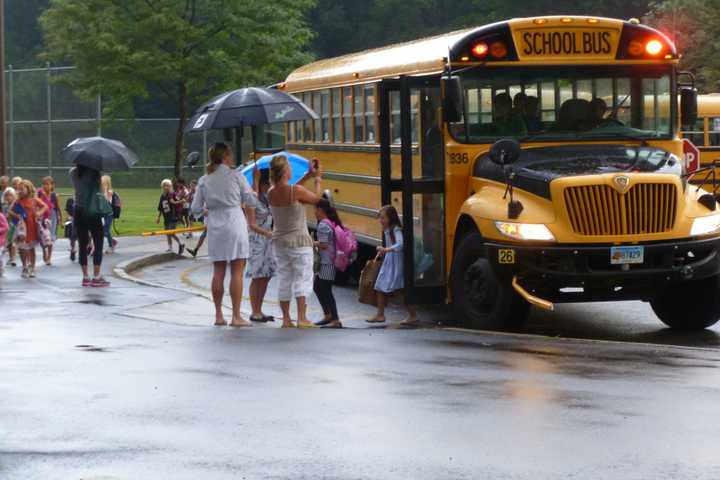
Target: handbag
{"x":98,"y":206}
{"x":366,"y":285}
{"x":20,"y":232}
{"x":43,"y":228}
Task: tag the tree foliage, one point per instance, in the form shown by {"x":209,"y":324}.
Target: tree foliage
{"x":695,"y":27}
{"x":185,"y":50}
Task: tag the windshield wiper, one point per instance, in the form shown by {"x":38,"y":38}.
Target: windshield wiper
{"x":592,"y":134}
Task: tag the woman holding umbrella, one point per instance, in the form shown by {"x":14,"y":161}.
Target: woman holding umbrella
{"x":224,"y":192}
{"x":87,"y":223}
{"x":90,"y":156}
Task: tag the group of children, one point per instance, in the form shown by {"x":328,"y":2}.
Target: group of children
{"x":28,"y":219}
{"x":174,"y":209}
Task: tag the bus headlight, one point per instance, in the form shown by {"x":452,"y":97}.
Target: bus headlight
{"x":705,"y":225}
{"x":525,"y":231}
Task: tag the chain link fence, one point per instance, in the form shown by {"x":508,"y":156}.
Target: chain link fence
{"x":43,"y":115}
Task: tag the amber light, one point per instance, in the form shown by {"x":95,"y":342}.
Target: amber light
{"x":480,"y":50}
{"x":566,"y":20}
{"x":654,"y":47}
{"x":498,"y":50}
{"x":540,"y":21}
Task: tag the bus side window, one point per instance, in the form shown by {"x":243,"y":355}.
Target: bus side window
{"x":714,"y":130}
{"x":697,"y":134}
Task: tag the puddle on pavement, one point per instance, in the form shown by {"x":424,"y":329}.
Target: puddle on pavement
{"x":100,"y":302}
{"x":90,"y":348}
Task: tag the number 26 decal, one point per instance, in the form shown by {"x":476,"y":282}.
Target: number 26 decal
{"x":459,"y":158}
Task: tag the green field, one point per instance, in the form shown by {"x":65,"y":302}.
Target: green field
{"x":139,"y":209}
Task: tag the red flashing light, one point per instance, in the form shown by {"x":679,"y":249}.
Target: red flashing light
{"x":498,"y":50}
{"x":654,"y":47}
{"x":480,"y":50}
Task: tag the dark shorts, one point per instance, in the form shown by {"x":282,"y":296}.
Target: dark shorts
{"x":170,"y":224}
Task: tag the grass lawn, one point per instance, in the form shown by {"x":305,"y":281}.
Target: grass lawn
{"x":139,"y":209}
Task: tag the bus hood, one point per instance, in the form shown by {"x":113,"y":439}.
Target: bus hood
{"x":566,"y":161}
{"x":537,"y":167}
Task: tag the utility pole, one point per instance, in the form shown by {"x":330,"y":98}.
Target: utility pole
{"x":3,"y":137}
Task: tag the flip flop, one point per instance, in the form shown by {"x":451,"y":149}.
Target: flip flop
{"x":375,"y":320}
{"x":289,"y":325}
{"x":305,"y":325}
{"x":241,"y":325}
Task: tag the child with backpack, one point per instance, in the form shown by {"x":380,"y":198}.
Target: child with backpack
{"x":337,"y":248}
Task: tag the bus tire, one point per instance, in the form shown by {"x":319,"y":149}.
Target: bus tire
{"x":693,"y":305}
{"x":480,"y":299}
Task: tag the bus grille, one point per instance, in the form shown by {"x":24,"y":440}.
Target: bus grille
{"x":596,"y":210}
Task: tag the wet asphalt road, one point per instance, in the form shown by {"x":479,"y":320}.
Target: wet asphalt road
{"x":93,"y":388}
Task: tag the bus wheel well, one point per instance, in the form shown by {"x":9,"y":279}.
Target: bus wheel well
{"x":465,"y":226}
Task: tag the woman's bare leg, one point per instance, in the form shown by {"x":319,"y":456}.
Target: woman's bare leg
{"x":285,"y":307}
{"x":255,"y":301}
{"x":237,"y":270}
{"x":218,"y":290}
{"x":262,"y":290}
{"x":302,"y":313}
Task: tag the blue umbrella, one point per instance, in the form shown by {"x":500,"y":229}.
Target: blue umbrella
{"x":299,"y":165}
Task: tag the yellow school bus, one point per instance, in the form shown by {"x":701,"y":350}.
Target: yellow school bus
{"x":534,"y":161}
{"x":705,"y":134}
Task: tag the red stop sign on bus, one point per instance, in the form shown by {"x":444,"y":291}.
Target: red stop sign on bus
{"x":691,"y":156}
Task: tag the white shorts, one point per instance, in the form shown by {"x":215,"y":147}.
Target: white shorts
{"x":294,"y":272}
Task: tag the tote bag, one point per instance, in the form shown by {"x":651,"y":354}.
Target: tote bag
{"x":366,"y":286}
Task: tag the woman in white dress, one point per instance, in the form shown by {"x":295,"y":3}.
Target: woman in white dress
{"x":223,"y":192}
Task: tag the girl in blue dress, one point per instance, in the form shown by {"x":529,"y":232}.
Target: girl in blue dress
{"x":390,"y":278}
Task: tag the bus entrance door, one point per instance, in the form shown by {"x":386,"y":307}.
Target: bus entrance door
{"x":410,"y":126}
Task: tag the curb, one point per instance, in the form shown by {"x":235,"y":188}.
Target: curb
{"x":124,"y":270}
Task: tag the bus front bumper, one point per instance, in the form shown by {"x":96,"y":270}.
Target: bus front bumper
{"x":577,"y":273}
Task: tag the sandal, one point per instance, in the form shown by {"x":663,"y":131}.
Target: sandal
{"x":259,"y":319}
{"x":409,"y":323}
{"x":333,"y":324}
{"x":375,"y":320}
{"x":305,"y":324}
{"x":288,"y":325}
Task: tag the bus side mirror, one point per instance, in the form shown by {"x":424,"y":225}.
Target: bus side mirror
{"x":453,"y":100}
{"x":505,"y":152}
{"x":688,"y":107}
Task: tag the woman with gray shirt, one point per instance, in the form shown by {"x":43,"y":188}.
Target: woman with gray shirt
{"x":291,"y":239}
{"x":223,"y":193}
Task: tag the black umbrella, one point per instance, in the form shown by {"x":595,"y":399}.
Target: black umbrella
{"x":99,"y":153}
{"x":249,"y":107}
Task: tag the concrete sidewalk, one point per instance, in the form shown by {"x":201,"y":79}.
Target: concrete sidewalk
{"x":194,"y":277}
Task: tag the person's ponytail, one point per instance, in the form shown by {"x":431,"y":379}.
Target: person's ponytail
{"x":216,"y":154}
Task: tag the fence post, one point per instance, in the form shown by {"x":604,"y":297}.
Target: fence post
{"x":11,"y":115}
{"x":99,"y":115}
{"x":49,"y":120}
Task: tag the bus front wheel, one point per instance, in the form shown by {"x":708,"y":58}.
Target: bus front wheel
{"x":692,"y":305}
{"x":480,"y":299}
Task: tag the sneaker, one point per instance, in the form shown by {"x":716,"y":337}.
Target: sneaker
{"x":169,"y":250}
{"x":86,"y":282}
{"x":31,"y":272}
{"x":181,"y":248}
{"x":72,"y":255}
{"x":192,"y":251}
{"x":99,"y":282}
{"x":114,"y":244}
{"x":13,"y":264}
{"x":25,"y":273}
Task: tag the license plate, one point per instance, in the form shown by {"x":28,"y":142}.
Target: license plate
{"x":627,"y":255}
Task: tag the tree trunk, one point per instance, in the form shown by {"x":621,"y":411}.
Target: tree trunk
{"x":180,"y":136}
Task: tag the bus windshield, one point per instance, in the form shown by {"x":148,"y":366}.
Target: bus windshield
{"x":566,"y":103}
